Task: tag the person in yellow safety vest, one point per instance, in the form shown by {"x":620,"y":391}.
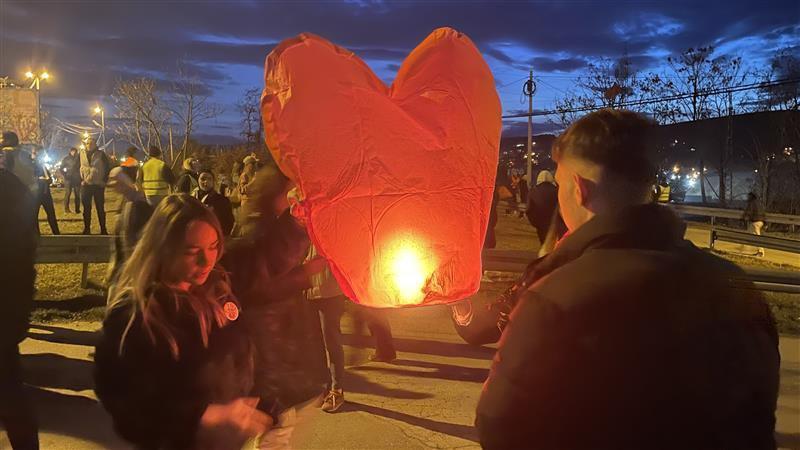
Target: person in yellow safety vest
{"x":155,"y":177}
{"x":663,"y":193}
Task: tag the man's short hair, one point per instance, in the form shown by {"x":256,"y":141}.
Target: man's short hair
{"x":154,"y":151}
{"x":9,"y":139}
{"x":130,"y":151}
{"x":616,"y":140}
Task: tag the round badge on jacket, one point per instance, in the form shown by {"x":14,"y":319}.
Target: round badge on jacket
{"x":231,"y":311}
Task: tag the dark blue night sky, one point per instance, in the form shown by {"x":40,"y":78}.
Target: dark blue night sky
{"x":88,"y":45}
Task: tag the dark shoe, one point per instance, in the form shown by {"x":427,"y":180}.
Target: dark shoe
{"x":382,"y":358}
{"x":86,"y":231}
{"x":333,"y":401}
{"x":67,"y":211}
{"x":104,"y":232}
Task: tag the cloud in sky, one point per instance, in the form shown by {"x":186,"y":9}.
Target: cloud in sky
{"x":89,"y":45}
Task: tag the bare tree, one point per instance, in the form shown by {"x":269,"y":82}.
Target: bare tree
{"x":249,"y":106}
{"x":571,"y":107}
{"x":690,"y":87}
{"x":190,"y":105}
{"x":764,"y":158}
{"x":696,"y":72}
{"x":142,"y":113}
{"x":608,"y":84}
{"x":784,"y":65}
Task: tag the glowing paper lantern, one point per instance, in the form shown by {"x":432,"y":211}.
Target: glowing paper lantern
{"x":397,"y":181}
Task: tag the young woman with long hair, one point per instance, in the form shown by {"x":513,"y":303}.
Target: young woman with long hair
{"x":174,"y":367}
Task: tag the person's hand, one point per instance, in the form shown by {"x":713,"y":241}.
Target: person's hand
{"x":315,"y":265}
{"x":236,"y":421}
{"x":294,"y":199}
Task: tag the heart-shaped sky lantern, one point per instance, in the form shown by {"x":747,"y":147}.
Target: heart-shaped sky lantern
{"x":397,"y":181}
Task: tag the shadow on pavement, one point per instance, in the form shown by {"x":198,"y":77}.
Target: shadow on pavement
{"x":76,"y":304}
{"x":358,"y":383}
{"x":49,"y":370}
{"x":442,"y":371}
{"x":75,"y":416}
{"x":62,"y":335}
{"x":787,"y":440}
{"x":460,"y":431}
{"x":425,"y":347}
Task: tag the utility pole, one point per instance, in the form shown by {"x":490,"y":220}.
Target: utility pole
{"x":528,"y":90}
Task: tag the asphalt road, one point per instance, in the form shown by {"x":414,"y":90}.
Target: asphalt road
{"x":424,"y":400}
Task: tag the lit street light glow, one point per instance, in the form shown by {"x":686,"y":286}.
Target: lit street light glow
{"x":36,"y":77}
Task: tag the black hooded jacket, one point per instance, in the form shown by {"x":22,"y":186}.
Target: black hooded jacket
{"x":157,"y":400}
{"x":17,"y":257}
{"x":631,"y":338}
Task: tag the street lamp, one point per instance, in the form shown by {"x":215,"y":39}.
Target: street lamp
{"x":36,"y":77}
{"x":98,"y":110}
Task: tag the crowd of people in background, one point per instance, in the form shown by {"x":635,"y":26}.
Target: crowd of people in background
{"x":84,"y":175}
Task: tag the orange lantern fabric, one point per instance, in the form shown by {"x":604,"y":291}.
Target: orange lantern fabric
{"x":396,"y":181}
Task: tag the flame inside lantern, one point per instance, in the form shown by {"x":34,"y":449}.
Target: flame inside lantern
{"x":406,"y":270}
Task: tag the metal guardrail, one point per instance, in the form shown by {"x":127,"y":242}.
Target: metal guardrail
{"x":762,"y":279}
{"x":725,"y":213}
{"x":97,"y":249}
{"x":741,"y":237}
{"x":75,"y":249}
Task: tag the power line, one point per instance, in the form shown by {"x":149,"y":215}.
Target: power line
{"x":708,"y":93}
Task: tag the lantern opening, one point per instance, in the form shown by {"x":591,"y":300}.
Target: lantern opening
{"x":409,"y":277}
{"x":407,"y":269}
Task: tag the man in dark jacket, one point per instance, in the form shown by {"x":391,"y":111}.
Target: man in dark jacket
{"x":208,"y":195}
{"x":71,"y":166}
{"x":542,"y":207}
{"x":44,"y":198}
{"x":95,"y":167}
{"x":18,"y":244}
{"x":268,"y":278}
{"x":754,"y":217}
{"x":629,"y":337}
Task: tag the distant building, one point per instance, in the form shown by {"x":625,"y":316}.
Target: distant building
{"x":19,"y":112}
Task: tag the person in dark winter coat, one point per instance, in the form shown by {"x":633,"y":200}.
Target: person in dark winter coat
{"x":135,"y":213}
{"x":70,"y":166}
{"x":18,"y":243}
{"x":208,"y":195}
{"x":268,"y":278}
{"x":95,"y":167}
{"x":187,"y":182}
{"x":174,"y":365}
{"x":44,"y":198}
{"x":542,"y":208}
{"x":628,"y":336}
{"x":754,"y":217}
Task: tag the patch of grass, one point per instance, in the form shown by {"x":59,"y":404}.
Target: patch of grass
{"x":50,"y":315}
{"x":62,"y":281}
{"x":786,"y":310}
{"x":752,"y":261}
{"x":82,"y":308}
{"x":72,"y":223}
